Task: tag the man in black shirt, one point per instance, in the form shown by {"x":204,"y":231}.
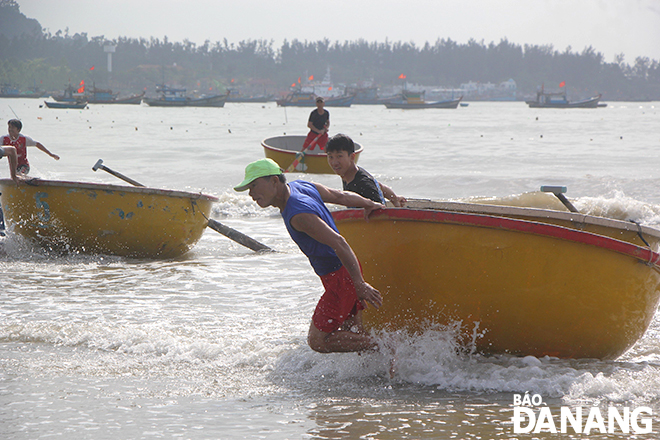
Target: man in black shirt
{"x":341,"y":158}
{"x":318,"y":123}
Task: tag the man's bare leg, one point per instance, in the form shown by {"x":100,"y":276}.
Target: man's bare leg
{"x":342,"y":340}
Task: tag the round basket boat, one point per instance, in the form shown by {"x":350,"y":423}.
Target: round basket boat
{"x":283,"y":149}
{"x":110,"y":219}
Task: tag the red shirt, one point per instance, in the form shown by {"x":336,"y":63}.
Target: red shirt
{"x":21,"y":144}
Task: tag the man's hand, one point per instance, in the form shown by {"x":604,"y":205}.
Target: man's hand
{"x":367,"y":294}
{"x":368,"y":210}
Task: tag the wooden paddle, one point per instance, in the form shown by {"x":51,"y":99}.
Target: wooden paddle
{"x":301,"y":154}
{"x":238,"y":237}
{"x":558,"y":192}
{"x":228,"y":232}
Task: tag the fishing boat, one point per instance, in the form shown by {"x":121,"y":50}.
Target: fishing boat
{"x":9,"y":91}
{"x":110,"y":219}
{"x":559,"y":100}
{"x":368,"y":95}
{"x":67,"y":105}
{"x":70,"y":94}
{"x":302,"y":99}
{"x":131,"y":99}
{"x":106,"y":96}
{"x":172,"y":97}
{"x":283,"y":150}
{"x":237,"y":96}
{"x":411,"y":100}
{"x":514,"y":280}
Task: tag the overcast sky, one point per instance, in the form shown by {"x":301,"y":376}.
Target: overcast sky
{"x":611,"y":27}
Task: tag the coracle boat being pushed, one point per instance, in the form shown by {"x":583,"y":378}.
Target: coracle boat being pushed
{"x":111,"y":219}
{"x":518,"y":280}
{"x":283,"y":150}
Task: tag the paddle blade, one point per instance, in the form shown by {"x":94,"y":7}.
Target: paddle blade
{"x":301,"y":154}
{"x":295,"y":162}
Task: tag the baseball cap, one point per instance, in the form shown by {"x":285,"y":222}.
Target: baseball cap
{"x":256,"y":169}
{"x":320,"y":98}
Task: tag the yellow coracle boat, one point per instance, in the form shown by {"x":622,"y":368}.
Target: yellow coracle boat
{"x":283,"y":149}
{"x":518,"y":280}
{"x":112,"y":219}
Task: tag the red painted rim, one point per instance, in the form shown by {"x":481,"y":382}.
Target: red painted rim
{"x":488,"y":221}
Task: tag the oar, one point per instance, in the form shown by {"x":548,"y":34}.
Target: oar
{"x":301,"y":154}
{"x":238,"y":237}
{"x":228,"y":232}
{"x":559,"y":192}
{"x":99,"y":164}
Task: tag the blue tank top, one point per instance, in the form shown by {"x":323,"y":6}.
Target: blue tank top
{"x":305,"y":198}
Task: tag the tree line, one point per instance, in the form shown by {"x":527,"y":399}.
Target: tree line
{"x":42,"y":60}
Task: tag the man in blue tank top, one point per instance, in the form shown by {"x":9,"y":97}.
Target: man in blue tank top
{"x":311,"y":226}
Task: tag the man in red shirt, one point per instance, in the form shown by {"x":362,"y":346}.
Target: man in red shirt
{"x":21,"y":142}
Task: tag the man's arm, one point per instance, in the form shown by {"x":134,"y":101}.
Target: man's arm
{"x":389,"y":194}
{"x":310,"y":125}
{"x":319,"y":230}
{"x":347,"y":198}
{"x":40,"y":146}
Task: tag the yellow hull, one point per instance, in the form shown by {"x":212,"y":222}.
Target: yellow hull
{"x":515,"y":286}
{"x":111,"y":219}
{"x":283,"y":149}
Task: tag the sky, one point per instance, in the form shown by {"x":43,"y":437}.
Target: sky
{"x":611,"y":27}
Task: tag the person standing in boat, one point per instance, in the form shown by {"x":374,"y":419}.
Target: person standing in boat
{"x":341,"y":158}
{"x":21,"y":142}
{"x":337,"y":321}
{"x":318,"y":123}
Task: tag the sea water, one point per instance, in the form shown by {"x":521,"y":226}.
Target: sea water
{"x":212,"y":345}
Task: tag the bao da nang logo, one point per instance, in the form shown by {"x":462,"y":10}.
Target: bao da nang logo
{"x":531,"y":415}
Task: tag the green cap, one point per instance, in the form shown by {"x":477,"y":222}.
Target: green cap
{"x":259,"y":168}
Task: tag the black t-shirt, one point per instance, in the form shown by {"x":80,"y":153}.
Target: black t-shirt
{"x":319,"y":120}
{"x":365,"y":185}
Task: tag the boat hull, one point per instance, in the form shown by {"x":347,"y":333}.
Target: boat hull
{"x":69,"y":105}
{"x":283,"y":149}
{"x":309,"y":100}
{"x":449,"y":104}
{"x":514,"y":286}
{"x":211,"y":101}
{"x":109,"y":219}
{"x":133,"y":99}
{"x":587,"y":103}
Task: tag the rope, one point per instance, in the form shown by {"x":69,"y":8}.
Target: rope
{"x":653,"y":262}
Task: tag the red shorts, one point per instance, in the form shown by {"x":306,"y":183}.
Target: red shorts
{"x":320,"y":143}
{"x":338,"y":303}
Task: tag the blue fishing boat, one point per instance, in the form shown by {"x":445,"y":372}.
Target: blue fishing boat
{"x":68,"y":105}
